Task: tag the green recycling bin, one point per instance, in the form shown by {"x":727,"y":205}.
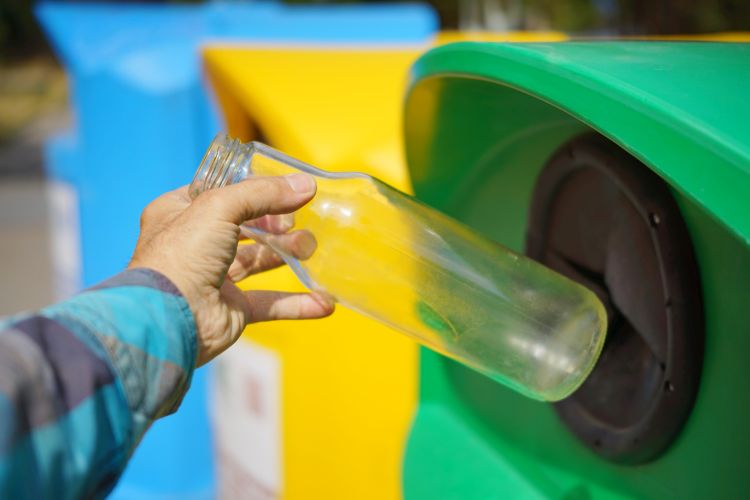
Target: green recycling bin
{"x":625,"y":166}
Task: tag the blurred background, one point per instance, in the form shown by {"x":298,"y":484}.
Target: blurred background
{"x":34,"y":97}
{"x":104,"y":105}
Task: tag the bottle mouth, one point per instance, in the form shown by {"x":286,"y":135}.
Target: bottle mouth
{"x":225,"y":162}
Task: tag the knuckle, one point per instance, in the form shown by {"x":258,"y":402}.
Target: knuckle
{"x":205,"y":197}
{"x":212,"y":201}
{"x":149,"y":213}
{"x":261,"y":192}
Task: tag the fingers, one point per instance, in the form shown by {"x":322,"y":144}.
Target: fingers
{"x":267,"y":305}
{"x":276,"y":224}
{"x":254,"y":198}
{"x":252,"y":259}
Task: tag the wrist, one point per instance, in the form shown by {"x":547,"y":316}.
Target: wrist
{"x":197,"y":301}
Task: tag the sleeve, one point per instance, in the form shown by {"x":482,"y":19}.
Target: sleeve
{"x":81,"y":381}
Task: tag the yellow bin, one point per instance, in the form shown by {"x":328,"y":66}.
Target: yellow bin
{"x":319,"y":409}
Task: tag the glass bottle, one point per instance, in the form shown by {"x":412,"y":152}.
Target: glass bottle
{"x":394,"y":259}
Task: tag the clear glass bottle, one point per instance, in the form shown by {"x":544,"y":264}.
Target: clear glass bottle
{"x":394,"y":259}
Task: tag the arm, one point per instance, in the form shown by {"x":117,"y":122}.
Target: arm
{"x":81,"y":381}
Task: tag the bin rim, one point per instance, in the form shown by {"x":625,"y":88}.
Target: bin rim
{"x":622,"y":89}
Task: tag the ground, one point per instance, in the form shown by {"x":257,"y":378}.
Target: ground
{"x":32,"y":104}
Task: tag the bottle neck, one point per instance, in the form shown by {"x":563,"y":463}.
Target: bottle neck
{"x":227,"y":161}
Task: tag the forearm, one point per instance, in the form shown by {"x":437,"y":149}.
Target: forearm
{"x":82,"y":380}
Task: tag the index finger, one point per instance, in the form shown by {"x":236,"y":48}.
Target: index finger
{"x":259,"y":196}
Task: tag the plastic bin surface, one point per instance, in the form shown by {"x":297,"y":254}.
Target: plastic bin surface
{"x":480,"y":121}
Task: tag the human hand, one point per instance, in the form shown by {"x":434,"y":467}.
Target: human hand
{"x":194,"y":244}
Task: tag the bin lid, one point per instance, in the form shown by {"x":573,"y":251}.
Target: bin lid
{"x":679,"y":107}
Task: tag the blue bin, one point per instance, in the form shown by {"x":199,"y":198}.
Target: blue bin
{"x":142,"y":122}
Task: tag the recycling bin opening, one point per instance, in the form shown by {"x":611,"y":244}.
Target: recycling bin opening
{"x":603,"y":219}
{"x":501,"y":136}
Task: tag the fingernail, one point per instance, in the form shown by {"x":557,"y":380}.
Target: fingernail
{"x":301,"y":183}
{"x":275,"y":223}
{"x":283,"y":223}
{"x":324,"y":298}
{"x":306,"y":245}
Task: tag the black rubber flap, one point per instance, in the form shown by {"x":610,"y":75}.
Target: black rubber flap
{"x":604,"y":219}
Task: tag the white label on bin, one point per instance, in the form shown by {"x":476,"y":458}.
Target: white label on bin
{"x":66,"y":236}
{"x":246,"y":413}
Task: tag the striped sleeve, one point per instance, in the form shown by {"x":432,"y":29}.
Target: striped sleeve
{"x":81,"y":381}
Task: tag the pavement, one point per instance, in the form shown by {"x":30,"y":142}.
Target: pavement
{"x":26,"y":270}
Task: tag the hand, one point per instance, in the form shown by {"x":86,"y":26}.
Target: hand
{"x":194,"y":244}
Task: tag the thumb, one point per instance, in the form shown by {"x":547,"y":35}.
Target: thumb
{"x":259,"y":196}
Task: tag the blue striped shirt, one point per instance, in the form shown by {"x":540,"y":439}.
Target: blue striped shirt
{"x":82,"y":380}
